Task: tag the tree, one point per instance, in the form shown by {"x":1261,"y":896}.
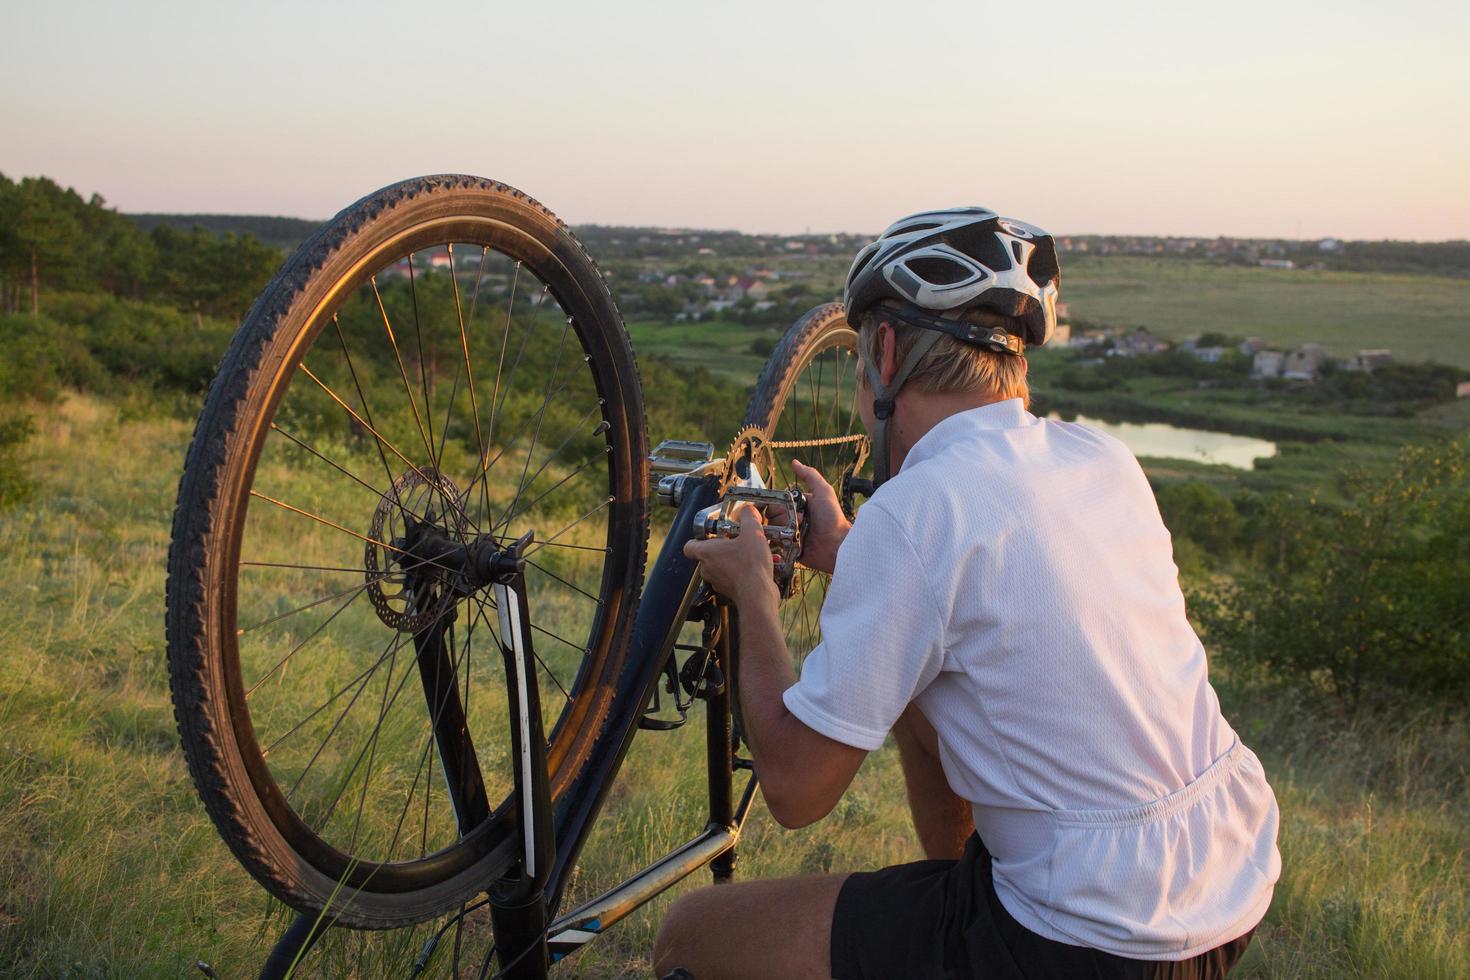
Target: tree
{"x":45,"y":235}
{"x":1366,"y":600}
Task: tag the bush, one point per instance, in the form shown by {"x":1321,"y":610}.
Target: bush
{"x":1365,"y":601}
{"x":15,"y":486}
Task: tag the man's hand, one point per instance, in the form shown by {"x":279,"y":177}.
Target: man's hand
{"x":738,"y":568}
{"x":826,"y":525}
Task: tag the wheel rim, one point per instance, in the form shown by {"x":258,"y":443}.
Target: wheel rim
{"x":462,"y":390}
{"x":816,"y":406}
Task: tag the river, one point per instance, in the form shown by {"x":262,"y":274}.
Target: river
{"x":1171,"y":442}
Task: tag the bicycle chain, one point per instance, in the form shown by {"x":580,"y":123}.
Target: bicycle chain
{"x":807,"y":443}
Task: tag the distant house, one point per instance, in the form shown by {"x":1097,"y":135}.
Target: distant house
{"x":1062,"y":335}
{"x":1267,"y":364}
{"x":1250,"y":345}
{"x":1064,"y":312}
{"x":1462,"y":390}
{"x":440,"y":260}
{"x":1329,"y":245}
{"x":1209,"y":355}
{"x":1304,"y":363}
{"x":1368,"y":361}
{"x":1140,"y":341}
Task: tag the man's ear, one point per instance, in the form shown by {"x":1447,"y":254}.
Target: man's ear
{"x":885,"y":349}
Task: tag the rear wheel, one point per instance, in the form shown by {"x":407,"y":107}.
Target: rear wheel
{"x":806,"y":404}
{"x":440,"y":363}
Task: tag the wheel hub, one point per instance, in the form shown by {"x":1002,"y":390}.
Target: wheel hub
{"x":422,"y":554}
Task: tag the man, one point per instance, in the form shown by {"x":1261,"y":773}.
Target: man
{"x":1006,"y":604}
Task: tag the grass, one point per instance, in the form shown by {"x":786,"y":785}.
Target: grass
{"x":112,"y":867}
{"x":723,"y":346}
{"x":1420,"y":318}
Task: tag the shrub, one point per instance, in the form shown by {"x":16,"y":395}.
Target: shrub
{"x":1364,"y":601}
{"x":15,"y":486}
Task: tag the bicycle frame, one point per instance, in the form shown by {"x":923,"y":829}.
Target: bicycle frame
{"x":552,"y":838}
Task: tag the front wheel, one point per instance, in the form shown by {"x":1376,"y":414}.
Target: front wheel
{"x":441,"y":366}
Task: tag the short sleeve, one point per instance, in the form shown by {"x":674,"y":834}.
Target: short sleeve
{"x":882,"y":637}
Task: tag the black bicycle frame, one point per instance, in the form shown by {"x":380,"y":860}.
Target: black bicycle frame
{"x":552,"y":838}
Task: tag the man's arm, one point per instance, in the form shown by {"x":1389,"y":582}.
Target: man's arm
{"x":803,"y":773}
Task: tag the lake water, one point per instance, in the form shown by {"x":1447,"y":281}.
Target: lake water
{"x":1171,"y":442}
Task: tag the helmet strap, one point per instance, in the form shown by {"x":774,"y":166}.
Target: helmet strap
{"x":884,"y":398}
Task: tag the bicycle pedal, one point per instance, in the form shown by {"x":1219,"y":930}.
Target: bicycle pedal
{"x":651,"y":724}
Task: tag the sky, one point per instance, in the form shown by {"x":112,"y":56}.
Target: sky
{"x":1256,"y":119}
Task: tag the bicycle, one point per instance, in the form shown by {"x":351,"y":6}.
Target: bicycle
{"x":330,"y":463}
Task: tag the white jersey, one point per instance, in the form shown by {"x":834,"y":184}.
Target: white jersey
{"x":1015,"y":580}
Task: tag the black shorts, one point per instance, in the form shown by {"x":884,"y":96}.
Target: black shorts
{"x":943,"y":919}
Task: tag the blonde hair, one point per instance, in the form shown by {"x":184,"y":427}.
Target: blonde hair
{"x":951,"y":365}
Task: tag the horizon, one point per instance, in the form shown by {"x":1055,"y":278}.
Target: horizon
{"x":686,"y":229}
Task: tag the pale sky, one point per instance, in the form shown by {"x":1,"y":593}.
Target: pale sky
{"x":1282,"y":118}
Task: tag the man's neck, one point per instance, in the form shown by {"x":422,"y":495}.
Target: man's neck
{"x":916,"y":412}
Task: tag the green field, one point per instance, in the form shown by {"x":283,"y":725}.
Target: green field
{"x":1419,"y":318}
{"x":722,"y":346}
{"x":113,"y":869}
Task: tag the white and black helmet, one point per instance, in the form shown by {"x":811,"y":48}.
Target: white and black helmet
{"x":947,"y":262}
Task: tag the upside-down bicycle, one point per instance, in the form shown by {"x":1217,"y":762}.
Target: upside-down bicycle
{"x":434,"y":405}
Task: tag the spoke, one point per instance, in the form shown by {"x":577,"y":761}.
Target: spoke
{"x":584,"y":651}
{"x":309,"y":637}
{"x":309,"y":568}
{"x":575,"y":547}
{"x":551,"y":540}
{"x":431,"y":484}
{"x":464,"y":344}
{"x":496,"y":407}
{"x":241,"y":631}
{"x":510,"y":305}
{"x":547,"y":571}
{"x":398,"y":357}
{"x":483,"y":477}
{"x":413,"y":291}
{"x":812,"y":385}
{"x":392,"y":648}
{"x":339,"y":527}
{"x":372,"y":757}
{"x":505,"y":523}
{"x":372,"y":739}
{"x":601,"y":427}
{"x":347,"y":473}
{"x":541,"y":412}
{"x":366,"y":409}
{"x":366,"y":672}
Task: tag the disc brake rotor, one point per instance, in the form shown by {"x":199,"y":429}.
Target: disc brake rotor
{"x":429,"y":497}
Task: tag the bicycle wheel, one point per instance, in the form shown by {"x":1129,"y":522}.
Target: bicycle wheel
{"x":806,"y":403}
{"x":441,"y":361}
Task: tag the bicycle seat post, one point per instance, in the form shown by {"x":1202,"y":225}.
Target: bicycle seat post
{"x":518,"y":900}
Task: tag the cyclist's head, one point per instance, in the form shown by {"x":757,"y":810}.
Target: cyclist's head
{"x":951,"y":365}
{"x":965,"y":291}
{"x":942,"y":264}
